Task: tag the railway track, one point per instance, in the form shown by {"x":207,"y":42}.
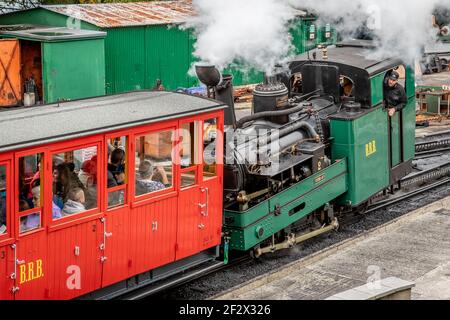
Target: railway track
{"x":433,"y":143}
{"x":439,"y":175}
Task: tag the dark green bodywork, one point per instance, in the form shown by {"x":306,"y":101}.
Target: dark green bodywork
{"x":370,"y":151}
{"x":368,"y":172}
{"x":294,"y":203}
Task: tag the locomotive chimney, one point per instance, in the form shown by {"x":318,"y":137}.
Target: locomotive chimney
{"x":219,"y":87}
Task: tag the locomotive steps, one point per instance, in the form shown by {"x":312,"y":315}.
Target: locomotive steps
{"x":347,"y":264}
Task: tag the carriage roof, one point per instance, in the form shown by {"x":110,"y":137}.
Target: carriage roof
{"x":27,"y":127}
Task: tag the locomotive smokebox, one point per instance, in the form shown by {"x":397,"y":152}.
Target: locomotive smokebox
{"x":271,"y":95}
{"x":220,"y":87}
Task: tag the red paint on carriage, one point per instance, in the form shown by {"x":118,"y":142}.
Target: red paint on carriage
{"x":64,"y":258}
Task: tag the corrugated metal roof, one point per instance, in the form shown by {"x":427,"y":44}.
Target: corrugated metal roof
{"x":111,"y":15}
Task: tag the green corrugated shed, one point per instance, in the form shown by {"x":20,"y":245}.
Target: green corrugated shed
{"x":66,"y":64}
{"x":143,"y":42}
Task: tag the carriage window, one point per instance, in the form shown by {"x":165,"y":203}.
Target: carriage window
{"x":30,"y":191}
{"x":188,"y":152}
{"x":116,"y":178}
{"x":154,"y":166}
{"x":74,"y":182}
{"x":3,"y":222}
{"x":209,"y":148}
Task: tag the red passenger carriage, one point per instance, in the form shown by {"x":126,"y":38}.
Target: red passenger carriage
{"x":73,"y":222}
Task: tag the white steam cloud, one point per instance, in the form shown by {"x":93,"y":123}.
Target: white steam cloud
{"x":253,"y":33}
{"x":401,"y":28}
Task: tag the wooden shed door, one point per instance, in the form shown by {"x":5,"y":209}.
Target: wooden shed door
{"x":10,"y":82}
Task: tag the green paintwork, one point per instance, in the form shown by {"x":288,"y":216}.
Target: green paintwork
{"x":395,"y":139}
{"x":408,"y":116}
{"x":376,"y":85}
{"x":409,"y":127}
{"x":367,"y":174}
{"x":41,"y":16}
{"x":309,"y":195}
{"x":73,"y":70}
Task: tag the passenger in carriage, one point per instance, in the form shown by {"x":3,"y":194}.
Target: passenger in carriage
{"x":88,"y":176}
{"x":36,"y":190}
{"x":75,"y":202}
{"x":146,"y":182}
{"x":66,"y":180}
{"x":116,"y":168}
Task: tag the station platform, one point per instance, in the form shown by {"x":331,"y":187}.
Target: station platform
{"x":414,"y":247}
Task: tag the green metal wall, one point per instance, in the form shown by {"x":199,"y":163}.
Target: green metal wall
{"x":73,"y":70}
{"x":137,"y":56}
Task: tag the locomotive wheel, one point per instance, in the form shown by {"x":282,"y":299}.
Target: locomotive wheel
{"x":253,"y":253}
{"x":362,"y":208}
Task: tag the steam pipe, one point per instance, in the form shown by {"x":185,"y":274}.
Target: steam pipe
{"x":289,"y":129}
{"x":266,"y":114}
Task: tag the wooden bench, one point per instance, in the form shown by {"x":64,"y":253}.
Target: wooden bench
{"x":386,"y":289}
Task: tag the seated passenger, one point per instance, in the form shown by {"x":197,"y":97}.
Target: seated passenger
{"x":88,"y":176}
{"x":146,"y":183}
{"x":32,"y":221}
{"x":88,"y":172}
{"x":116,"y":168}
{"x":56,"y":210}
{"x":66,"y":180}
{"x":75,"y":202}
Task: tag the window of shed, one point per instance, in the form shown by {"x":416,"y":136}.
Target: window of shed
{"x":154,"y":165}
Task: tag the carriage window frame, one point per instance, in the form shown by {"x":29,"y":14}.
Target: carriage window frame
{"x":125,"y":187}
{"x":194,"y":167}
{"x":67,"y":220}
{"x":8,"y":192}
{"x":156,"y":195}
{"x":216,"y":156}
{"x":18,"y":215}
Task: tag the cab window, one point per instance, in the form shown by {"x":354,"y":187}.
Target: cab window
{"x":3,"y":194}
{"x":153,"y":163}
{"x":30,"y":193}
{"x":117,"y":171}
{"x":209,"y":148}
{"x":74,"y":181}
